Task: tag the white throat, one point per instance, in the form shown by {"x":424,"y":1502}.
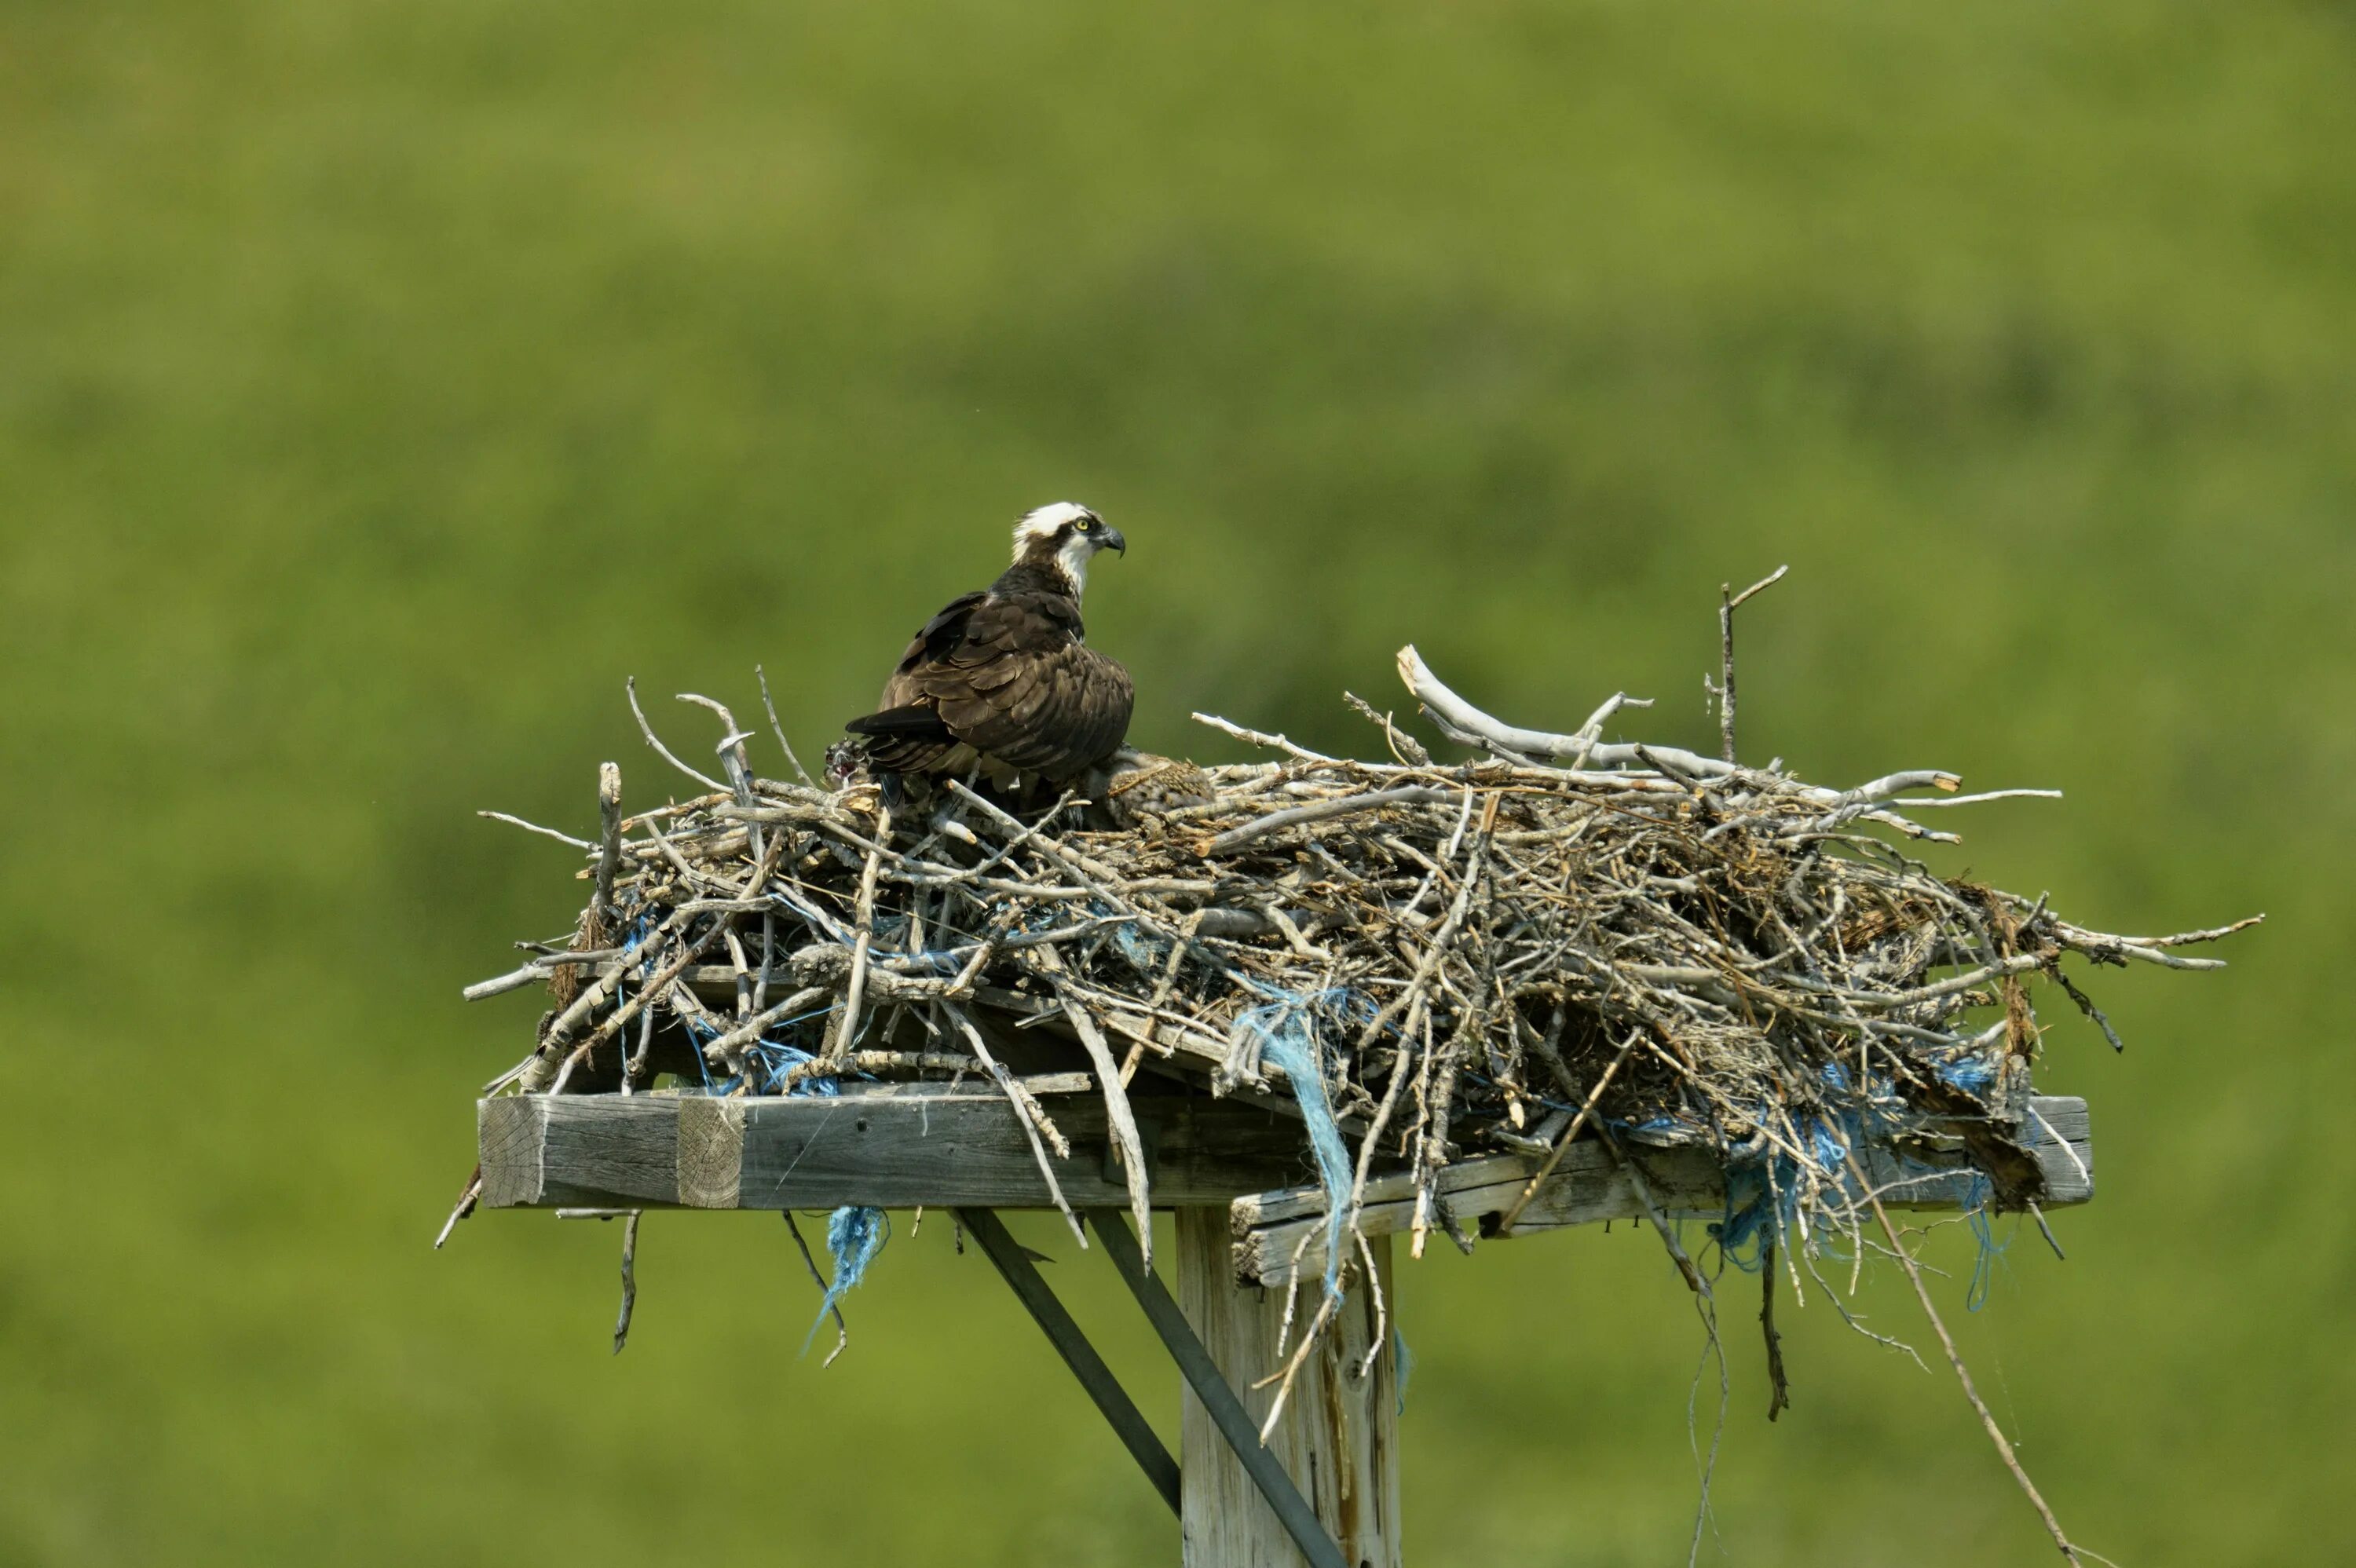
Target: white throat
{"x":1073,"y":559}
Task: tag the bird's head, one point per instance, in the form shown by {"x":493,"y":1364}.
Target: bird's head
{"x":1063,"y":535}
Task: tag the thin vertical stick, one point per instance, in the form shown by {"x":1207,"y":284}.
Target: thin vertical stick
{"x":1955,"y":1360}
{"x":629,"y":1281}
{"x":1728,"y":601}
{"x":842,"y":1329}
{"x":800,"y":771}
{"x":609,"y":850}
{"x":1779,"y":1399}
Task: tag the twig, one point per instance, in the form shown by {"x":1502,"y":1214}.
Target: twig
{"x":783,"y":745}
{"x":609,"y":818}
{"x":706,"y":779}
{"x":1235,"y":839}
{"x":1027,"y":1115}
{"x":1955,"y":1360}
{"x":1779,"y":1399}
{"x":1562,"y":1144}
{"x":825,"y":1289}
{"x":1728,"y":601}
{"x":629,"y":1281}
{"x":1119,"y":1119}
{"x":463,"y":1207}
{"x":535,"y":828}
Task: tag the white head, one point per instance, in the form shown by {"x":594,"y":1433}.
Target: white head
{"x":1067,"y":534}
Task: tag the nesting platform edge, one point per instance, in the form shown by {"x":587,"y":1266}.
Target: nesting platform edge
{"x":884,"y":1150}
{"x":967,"y":1148}
{"x":1279,"y":1233}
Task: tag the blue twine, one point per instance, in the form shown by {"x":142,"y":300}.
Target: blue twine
{"x":853,"y":1236}
{"x":1145,"y":954}
{"x":1763,"y":1199}
{"x":1972,"y":1074}
{"x":1288,"y":1039}
{"x":766,"y":1060}
{"x":1402,"y":1366}
{"x":1991,"y":1251}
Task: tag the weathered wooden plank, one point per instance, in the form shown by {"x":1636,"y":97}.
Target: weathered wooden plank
{"x":509,"y":1133}
{"x":971,"y":1151}
{"x":711,"y":1151}
{"x":1338,"y":1438}
{"x":886,"y":1151}
{"x":1279,"y":1233}
{"x":618,"y":1150}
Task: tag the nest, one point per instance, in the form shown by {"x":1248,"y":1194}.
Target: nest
{"x":1563,"y":938}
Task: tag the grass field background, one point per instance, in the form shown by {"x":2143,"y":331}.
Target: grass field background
{"x":381,"y":384}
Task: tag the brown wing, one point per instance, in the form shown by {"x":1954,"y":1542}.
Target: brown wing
{"x":905,"y":735}
{"x":1016,"y":684}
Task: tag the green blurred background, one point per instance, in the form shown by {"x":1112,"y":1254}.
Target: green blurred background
{"x":381,"y":383}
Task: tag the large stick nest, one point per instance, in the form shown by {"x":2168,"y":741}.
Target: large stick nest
{"x":1564,"y":938}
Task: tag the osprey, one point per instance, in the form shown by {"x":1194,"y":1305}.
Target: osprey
{"x":1003,"y":679}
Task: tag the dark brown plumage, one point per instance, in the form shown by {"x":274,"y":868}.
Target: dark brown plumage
{"x":1003,"y":678}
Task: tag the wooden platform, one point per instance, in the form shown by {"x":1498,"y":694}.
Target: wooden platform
{"x":884,"y":1150}
{"x":890,"y":1148}
{"x":1322,"y":1492}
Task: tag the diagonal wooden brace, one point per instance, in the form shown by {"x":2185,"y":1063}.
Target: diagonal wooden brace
{"x":1128,"y":1422}
{"x":1210,"y":1385}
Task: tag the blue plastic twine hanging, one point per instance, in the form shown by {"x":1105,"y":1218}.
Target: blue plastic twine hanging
{"x":1287,"y":1038}
{"x":853,"y":1235}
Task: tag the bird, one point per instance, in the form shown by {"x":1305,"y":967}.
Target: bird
{"x":1002,"y":679}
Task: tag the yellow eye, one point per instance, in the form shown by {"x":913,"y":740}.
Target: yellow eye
{"x":1084,"y":523}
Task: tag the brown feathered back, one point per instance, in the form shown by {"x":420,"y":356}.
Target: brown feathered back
{"x":1002,"y":679}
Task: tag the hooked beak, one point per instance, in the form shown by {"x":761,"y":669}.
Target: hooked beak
{"x":1109,"y":539}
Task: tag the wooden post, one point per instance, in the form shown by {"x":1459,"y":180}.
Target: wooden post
{"x":1339,"y":1437}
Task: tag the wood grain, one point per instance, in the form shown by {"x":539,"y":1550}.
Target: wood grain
{"x":1338,"y":1438}
{"x":1276,"y":1233}
{"x":886,"y":1151}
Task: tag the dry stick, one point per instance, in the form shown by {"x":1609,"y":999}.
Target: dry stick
{"x":1257,"y":738}
{"x":728,"y":1050}
{"x":732,"y":760}
{"x":1025,"y":1111}
{"x":535,"y":828}
{"x":474,"y":1192}
{"x":1727,"y":602}
{"x":1562,"y":1144}
{"x":1161,"y":990}
{"x":659,"y":983}
{"x":1118,"y":1117}
{"x":1628,"y":1167}
{"x":856,"y":994}
{"x":948,"y":1062}
{"x":706,"y":779}
{"x":1073,"y":865}
{"x":1235,"y":839}
{"x":1779,"y":1395}
{"x":1404,"y":746}
{"x":787,"y":746}
{"x":842,"y":1329}
{"x":1955,"y":1360}
{"x":1470,"y":724}
{"x":609,"y":821}
{"x":1451,"y":710}
{"x":1283,"y":1377}
{"x":531,"y":973}
{"x":591,"y":996}
{"x":629,"y":1281}
{"x":1589,"y":733}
